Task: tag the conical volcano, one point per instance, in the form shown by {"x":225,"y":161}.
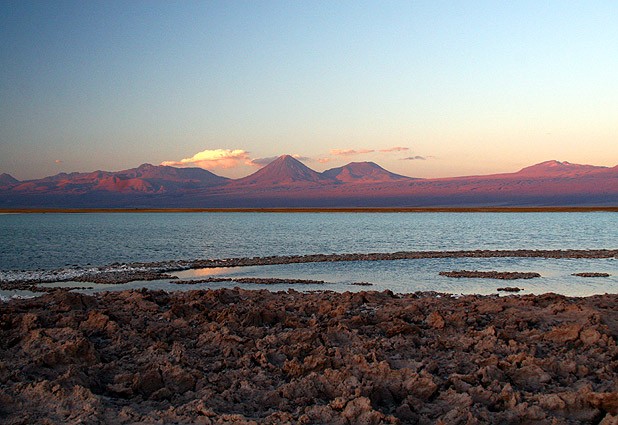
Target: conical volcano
{"x":284,"y":170}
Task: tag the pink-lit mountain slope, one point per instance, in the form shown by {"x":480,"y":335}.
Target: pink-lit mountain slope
{"x":549,"y":169}
{"x":540,"y":185}
{"x":285,"y":170}
{"x":7,"y":180}
{"x":363,"y":172}
{"x":560,"y":169}
{"x":286,"y":182}
{"x":144,"y":179}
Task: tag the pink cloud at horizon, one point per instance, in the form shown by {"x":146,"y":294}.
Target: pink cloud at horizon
{"x":349,"y":152}
{"x":395,"y":149}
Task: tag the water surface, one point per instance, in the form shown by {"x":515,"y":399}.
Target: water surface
{"x":53,"y":241}
{"x":49,"y":241}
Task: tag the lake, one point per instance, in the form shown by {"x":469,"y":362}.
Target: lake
{"x":53,"y":241}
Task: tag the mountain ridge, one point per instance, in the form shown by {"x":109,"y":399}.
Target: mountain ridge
{"x":146,"y":178}
{"x":287,"y":182}
{"x":554,"y":167}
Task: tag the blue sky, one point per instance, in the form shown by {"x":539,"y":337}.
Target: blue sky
{"x":459,"y":87}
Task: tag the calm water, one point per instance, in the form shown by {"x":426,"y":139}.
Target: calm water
{"x":51,"y":241}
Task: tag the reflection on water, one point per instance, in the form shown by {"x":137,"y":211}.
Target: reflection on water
{"x":202,"y":273}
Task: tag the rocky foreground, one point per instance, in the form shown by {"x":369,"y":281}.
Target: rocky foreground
{"x":236,"y":356}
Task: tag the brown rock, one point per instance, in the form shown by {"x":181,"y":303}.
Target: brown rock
{"x":607,"y":402}
{"x":435,"y":320}
{"x":589,"y":336}
{"x":359,"y":411}
{"x":564,"y":333}
{"x":551,"y":402}
{"x":236,"y":356}
{"x":421,"y":386}
{"x":530,"y":377}
{"x":149,"y":381}
{"x":96,"y":322}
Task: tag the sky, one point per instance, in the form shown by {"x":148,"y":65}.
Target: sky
{"x":423,"y":88}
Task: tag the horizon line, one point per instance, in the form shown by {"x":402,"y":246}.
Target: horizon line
{"x":553,"y":209}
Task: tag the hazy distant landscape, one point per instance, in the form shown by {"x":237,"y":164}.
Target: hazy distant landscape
{"x":287,"y":182}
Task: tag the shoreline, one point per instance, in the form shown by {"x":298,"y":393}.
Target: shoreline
{"x":128,"y":272}
{"x":314,"y":210}
{"x":245,"y":356}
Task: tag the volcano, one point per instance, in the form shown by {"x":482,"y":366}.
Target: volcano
{"x":363,"y":172}
{"x":7,"y":180}
{"x":285,"y":170}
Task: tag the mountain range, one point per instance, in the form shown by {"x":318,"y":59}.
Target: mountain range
{"x":287,"y":182}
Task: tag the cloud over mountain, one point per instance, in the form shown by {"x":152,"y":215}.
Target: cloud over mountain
{"x":213,"y":158}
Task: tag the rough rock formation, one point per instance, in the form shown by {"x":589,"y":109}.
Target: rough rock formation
{"x":490,"y":274}
{"x":510,"y":289}
{"x":591,"y":274}
{"x":251,"y":280}
{"x":241,"y":356}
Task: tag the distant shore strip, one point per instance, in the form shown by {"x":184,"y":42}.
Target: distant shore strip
{"x":312,"y":210}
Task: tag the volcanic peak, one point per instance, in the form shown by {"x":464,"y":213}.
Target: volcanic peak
{"x":7,"y":180}
{"x":363,"y":172}
{"x":284,"y":170}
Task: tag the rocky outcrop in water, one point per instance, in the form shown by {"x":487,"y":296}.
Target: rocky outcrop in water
{"x":251,"y":280}
{"x":119,"y":277}
{"x":238,"y":356}
{"x":510,"y":289}
{"x":591,"y":274}
{"x":490,"y":274}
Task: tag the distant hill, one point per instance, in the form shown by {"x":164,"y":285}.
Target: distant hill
{"x":287,"y":182}
{"x":146,"y":178}
{"x":7,"y":180}
{"x":562,"y":169}
{"x":363,"y":172}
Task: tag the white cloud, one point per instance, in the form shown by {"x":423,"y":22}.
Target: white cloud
{"x":214,"y":158}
